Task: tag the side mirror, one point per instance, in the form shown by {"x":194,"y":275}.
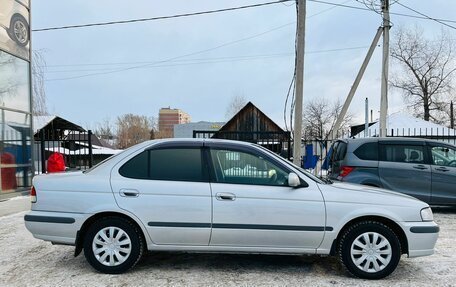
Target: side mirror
{"x":293,"y":180}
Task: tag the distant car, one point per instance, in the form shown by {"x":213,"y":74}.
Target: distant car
{"x":224,"y":196}
{"x":421,"y":168}
{"x":12,"y":19}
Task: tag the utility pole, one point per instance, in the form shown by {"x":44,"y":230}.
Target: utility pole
{"x":355,"y":85}
{"x":366,"y":118}
{"x":451,"y":115}
{"x":301,"y":29}
{"x":385,"y":62}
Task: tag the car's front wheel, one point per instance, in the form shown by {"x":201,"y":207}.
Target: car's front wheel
{"x":369,"y":250}
{"x":19,"y":30}
{"x":113,"y":245}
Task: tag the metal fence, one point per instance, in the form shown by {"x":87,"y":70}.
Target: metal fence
{"x":75,"y":146}
{"x":278,"y":142}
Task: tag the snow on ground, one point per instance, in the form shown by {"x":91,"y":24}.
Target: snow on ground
{"x":25,"y":261}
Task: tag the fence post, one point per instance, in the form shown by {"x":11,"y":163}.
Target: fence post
{"x":89,"y":134}
{"x":43,"y":152}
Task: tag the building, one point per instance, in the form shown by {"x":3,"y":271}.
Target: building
{"x":15,"y":98}
{"x":250,"y":124}
{"x":187,"y":130}
{"x":168,"y":117}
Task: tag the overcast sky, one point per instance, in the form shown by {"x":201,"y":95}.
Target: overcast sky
{"x":198,"y":63}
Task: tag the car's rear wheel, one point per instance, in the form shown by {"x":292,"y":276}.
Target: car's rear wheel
{"x":113,"y":245}
{"x":369,"y":250}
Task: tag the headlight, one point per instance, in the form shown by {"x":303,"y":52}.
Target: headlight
{"x":426,"y":214}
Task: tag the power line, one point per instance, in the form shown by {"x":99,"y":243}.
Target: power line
{"x":256,"y":56}
{"x":430,"y":18}
{"x":160,"y":17}
{"x":423,"y":16}
{"x":392,"y":13}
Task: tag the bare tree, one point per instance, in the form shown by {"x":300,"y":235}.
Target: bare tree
{"x":105,"y":130}
{"x":320,"y":117}
{"x":237,"y":102}
{"x":133,"y":129}
{"x":427,"y":70}
{"x":39,"y":92}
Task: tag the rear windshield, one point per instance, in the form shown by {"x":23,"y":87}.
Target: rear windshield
{"x":340,"y":149}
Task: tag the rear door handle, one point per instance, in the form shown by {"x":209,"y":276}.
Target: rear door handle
{"x":129,"y":193}
{"x":419,"y":167}
{"x":442,"y":169}
{"x":225,"y":196}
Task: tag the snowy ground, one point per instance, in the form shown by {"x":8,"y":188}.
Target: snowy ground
{"x":25,"y":261}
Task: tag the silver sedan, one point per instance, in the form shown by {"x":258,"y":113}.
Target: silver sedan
{"x":224,"y":196}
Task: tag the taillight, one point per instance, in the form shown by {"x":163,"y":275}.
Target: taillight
{"x":33,"y":195}
{"x":345,"y":170}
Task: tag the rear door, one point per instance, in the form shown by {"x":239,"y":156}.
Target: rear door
{"x":404,"y":167}
{"x":168,"y":189}
{"x":443,"y":162}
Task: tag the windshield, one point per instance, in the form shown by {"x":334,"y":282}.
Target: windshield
{"x":289,"y":163}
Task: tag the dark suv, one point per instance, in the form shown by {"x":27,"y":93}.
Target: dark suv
{"x":421,"y":168}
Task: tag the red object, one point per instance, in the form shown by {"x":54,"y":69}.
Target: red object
{"x":345,"y":170}
{"x":33,"y":195}
{"x":8,"y":173}
{"x":55,"y":163}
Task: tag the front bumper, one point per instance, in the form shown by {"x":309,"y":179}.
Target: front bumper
{"x":421,"y":237}
{"x":57,"y":227}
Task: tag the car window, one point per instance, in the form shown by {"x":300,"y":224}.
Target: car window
{"x":367,"y":151}
{"x":340,"y":151}
{"x":239,"y":167}
{"x":176,"y":164}
{"x":403,"y":153}
{"x":137,"y":167}
{"x":179,"y":164}
{"x":443,"y":156}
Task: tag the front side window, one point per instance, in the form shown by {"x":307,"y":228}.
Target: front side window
{"x":443,"y":156}
{"x":239,"y":167}
{"x":403,"y":153}
{"x":174,"y":164}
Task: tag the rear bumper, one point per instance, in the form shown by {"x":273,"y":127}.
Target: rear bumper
{"x":421,"y":237}
{"x":57,"y":227}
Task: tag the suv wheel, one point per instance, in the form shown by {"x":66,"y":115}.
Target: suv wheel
{"x":113,"y":245}
{"x":369,"y":250}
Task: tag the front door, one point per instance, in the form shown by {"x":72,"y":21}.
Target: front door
{"x":443,"y":174}
{"x":168,"y":190}
{"x":404,"y":168}
{"x":253,"y":206}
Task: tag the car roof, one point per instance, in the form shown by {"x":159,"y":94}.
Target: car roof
{"x":392,"y":139}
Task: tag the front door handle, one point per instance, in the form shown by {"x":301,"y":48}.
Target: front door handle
{"x":129,"y":193}
{"x":225,"y":196}
{"x":442,"y":169}
{"x":420,"y":167}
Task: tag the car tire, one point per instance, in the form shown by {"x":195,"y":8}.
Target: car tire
{"x":369,"y":250}
{"x":19,"y":30}
{"x":113,"y":245}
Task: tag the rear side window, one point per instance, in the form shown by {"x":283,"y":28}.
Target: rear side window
{"x":184,"y":164}
{"x":403,"y":153}
{"x":137,"y":167}
{"x":367,"y":151}
{"x":176,"y":164}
